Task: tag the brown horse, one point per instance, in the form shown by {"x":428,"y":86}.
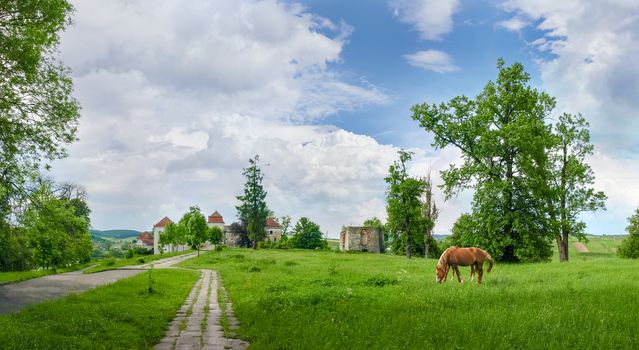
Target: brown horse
{"x":455,"y":256}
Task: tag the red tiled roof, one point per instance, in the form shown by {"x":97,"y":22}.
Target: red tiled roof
{"x":272,"y":223}
{"x":216,"y":218}
{"x":146,"y":237}
{"x":163,"y":222}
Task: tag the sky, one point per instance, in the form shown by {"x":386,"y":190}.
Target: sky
{"x":177,"y":96}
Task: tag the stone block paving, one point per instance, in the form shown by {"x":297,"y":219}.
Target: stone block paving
{"x":197,"y":323}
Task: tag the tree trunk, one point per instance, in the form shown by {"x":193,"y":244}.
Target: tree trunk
{"x":563,"y":251}
{"x":426,"y":244}
{"x":562,"y":247}
{"x":509,"y":251}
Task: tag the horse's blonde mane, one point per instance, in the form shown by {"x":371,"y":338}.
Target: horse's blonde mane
{"x":443,"y":259}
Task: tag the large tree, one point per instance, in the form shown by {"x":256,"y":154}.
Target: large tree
{"x":431,"y":212}
{"x":253,"y":210}
{"x":570,"y":181}
{"x":38,"y":115}
{"x":502,"y":136}
{"x":406,"y":222}
{"x":57,"y":235}
{"x":194,"y":224}
{"x":307,"y":235}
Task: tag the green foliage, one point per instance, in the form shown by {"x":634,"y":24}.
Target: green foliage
{"x":141,"y":260}
{"x":38,"y":114}
{"x":307,"y":235}
{"x":109,"y":262}
{"x":286,"y":224}
{"x":406,"y":221}
{"x":129,"y":253}
{"x":15,"y":254}
{"x":215,"y":235}
{"x":194,"y":224}
{"x":253,"y":210}
{"x":629,"y":248}
{"x":503,"y":139}
{"x":570,"y":181}
{"x":57,"y":235}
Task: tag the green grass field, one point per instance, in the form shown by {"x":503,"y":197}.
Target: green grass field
{"x":18,"y":276}
{"x":118,"y":316}
{"x":330,"y":300}
{"x":103,"y":264}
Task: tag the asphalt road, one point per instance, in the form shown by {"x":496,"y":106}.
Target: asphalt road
{"x":14,"y":297}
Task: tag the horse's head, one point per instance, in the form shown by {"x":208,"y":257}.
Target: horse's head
{"x":440,"y":272}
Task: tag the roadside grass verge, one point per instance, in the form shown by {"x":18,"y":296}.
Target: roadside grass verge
{"x":19,"y":276}
{"x":122,"y":315}
{"x":329,"y":300}
{"x":112,"y":263}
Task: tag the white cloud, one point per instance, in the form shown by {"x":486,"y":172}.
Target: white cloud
{"x":514,"y":24}
{"x":587,"y":58}
{"x":431,"y":18}
{"x":177,"y":96}
{"x":435,"y":60}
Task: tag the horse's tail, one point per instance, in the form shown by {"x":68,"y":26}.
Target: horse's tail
{"x":491,"y":261}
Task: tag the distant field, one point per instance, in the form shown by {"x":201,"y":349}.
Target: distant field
{"x":115,"y":234}
{"x":333,"y":243}
{"x":330,"y":300}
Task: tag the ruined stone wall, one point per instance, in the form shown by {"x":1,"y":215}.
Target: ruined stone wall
{"x":361,"y":238}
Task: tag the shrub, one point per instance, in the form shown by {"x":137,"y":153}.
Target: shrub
{"x":254,"y":268}
{"x":109,"y":262}
{"x":129,"y":253}
{"x":629,"y":248}
{"x":141,"y":260}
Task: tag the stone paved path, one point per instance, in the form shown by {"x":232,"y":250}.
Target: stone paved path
{"x":14,"y":297}
{"x":197,"y":323}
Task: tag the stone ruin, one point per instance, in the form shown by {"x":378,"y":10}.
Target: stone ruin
{"x":361,"y":239}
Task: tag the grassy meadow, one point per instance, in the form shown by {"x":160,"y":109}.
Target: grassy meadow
{"x":330,"y":300}
{"x":19,"y":276}
{"x":114,"y":263}
{"x":122,"y":315}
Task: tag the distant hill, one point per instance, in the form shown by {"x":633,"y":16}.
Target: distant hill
{"x":115,"y":234}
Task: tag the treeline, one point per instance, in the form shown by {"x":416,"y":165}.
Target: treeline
{"x":191,"y":230}
{"x":51,"y":229}
{"x":529,"y":175}
{"x":42,"y":224}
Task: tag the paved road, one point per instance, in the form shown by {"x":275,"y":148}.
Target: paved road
{"x":13,"y":297}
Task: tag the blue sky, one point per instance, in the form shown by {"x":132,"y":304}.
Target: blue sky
{"x":177,"y":97}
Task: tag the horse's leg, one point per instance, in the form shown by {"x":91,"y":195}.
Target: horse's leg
{"x":472,"y":272}
{"x":480,"y":272}
{"x":458,"y":274}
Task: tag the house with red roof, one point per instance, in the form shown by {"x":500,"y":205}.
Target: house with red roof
{"x":145,"y":240}
{"x":157,"y":230}
{"x":216,"y":219}
{"x":273,"y":229}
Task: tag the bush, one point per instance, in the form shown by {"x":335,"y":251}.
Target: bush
{"x":254,"y":268}
{"x":142,"y":251}
{"x":129,"y":253}
{"x":141,"y":260}
{"x":109,"y":262}
{"x":629,"y":248}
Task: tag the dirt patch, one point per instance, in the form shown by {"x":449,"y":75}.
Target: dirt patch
{"x":581,"y":248}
